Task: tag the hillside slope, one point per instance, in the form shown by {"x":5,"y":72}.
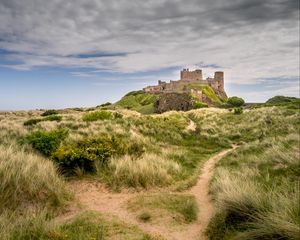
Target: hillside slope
{"x":138,"y":101}
{"x":194,"y":96}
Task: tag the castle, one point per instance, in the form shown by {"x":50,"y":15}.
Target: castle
{"x":187,"y":78}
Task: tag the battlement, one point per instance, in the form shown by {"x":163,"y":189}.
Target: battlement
{"x":187,"y":75}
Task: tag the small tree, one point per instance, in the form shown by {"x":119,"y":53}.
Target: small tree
{"x":235,"y":101}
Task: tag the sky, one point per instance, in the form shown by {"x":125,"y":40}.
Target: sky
{"x":81,"y":53}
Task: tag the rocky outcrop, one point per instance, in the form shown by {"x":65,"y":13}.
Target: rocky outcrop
{"x":174,"y":101}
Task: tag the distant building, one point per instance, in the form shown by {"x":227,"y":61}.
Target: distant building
{"x":187,"y":78}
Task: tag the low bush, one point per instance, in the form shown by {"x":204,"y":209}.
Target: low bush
{"x":53,"y":118}
{"x":47,"y":142}
{"x":98,"y":115}
{"x":88,"y":152}
{"x":238,"y":110}
{"x":49,"y":112}
{"x":32,"y":121}
{"x":235,"y":101}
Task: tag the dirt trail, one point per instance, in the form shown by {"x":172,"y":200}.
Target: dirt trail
{"x":93,"y":196}
{"x":201,"y":192}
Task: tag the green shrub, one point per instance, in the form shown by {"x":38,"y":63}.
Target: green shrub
{"x":32,"y":121}
{"x":53,"y":118}
{"x":235,"y":101}
{"x":98,"y":115}
{"x":238,"y":110}
{"x":49,"y":112}
{"x":47,"y":142}
{"x":86,"y":153}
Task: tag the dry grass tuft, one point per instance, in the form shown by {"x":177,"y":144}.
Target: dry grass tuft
{"x":149,"y":170}
{"x":27,"y":179}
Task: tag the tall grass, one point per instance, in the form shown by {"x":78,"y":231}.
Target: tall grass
{"x":145,"y":171}
{"x":28,"y":180}
{"x":257,"y":192}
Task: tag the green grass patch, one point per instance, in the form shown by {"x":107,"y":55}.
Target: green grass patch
{"x":139,"y":101}
{"x":182,"y":208}
{"x":207,"y":91}
{"x":88,"y":225}
{"x":98,"y":115}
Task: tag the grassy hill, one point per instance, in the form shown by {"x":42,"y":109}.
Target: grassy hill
{"x":145,"y":103}
{"x":138,"y":101}
{"x":280,"y":101}
{"x":150,"y":161}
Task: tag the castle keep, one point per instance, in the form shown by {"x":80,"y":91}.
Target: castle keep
{"x":187,"y":78}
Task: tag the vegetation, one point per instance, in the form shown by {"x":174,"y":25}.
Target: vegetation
{"x":138,"y":101}
{"x":288,"y":102}
{"x":235,"y":102}
{"x":238,"y":110}
{"x":53,"y":118}
{"x":98,"y":115}
{"x":86,"y":153}
{"x":88,"y":225}
{"x":46,"y":142}
{"x":49,"y":112}
{"x":181,"y":208}
{"x":208,"y":92}
{"x":155,"y":157}
{"x":26,"y":178}
{"x":32,"y":121}
{"x":245,"y":183}
{"x":200,"y":105}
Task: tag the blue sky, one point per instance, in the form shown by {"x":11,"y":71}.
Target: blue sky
{"x":56,"y":54}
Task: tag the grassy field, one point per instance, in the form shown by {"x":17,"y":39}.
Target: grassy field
{"x":122,"y":149}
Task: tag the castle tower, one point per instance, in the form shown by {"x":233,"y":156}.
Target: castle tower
{"x":219,"y":76}
{"x":191,"y":76}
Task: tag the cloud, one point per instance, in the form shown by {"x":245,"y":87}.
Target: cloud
{"x":248,"y":39}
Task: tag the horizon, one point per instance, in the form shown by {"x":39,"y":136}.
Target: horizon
{"x":56,"y":55}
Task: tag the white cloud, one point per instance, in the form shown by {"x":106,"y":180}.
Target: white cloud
{"x":250,"y":39}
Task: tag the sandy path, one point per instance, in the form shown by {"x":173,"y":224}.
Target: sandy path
{"x":201,"y":192}
{"x":93,"y":196}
